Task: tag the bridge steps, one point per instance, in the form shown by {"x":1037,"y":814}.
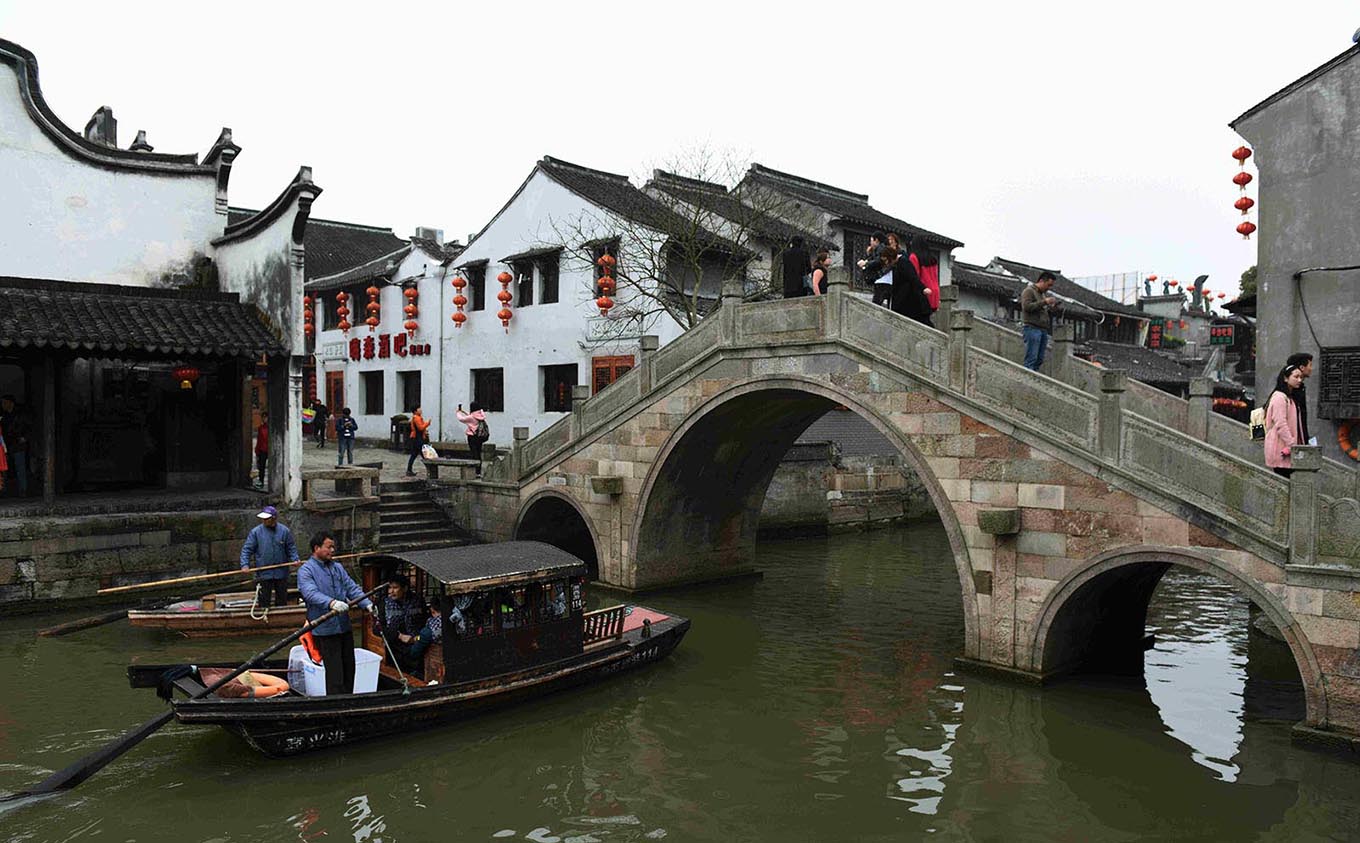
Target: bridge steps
{"x":410,"y":520}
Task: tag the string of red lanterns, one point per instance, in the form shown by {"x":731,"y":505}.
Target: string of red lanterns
{"x":374,"y":309}
{"x":342,"y":311}
{"x":411,"y":310}
{"x":459,"y":301}
{"x":1244,"y":202}
{"x":605,"y":284}
{"x":308,"y":329}
{"x":504,"y":296}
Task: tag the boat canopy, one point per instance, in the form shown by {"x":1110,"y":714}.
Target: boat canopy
{"x":481,"y":566}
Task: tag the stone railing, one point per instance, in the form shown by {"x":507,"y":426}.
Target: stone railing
{"x":1095,"y":413}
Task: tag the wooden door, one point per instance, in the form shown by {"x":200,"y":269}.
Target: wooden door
{"x":335,"y":395}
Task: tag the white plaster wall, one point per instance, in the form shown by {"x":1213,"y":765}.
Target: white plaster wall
{"x":260,"y":268}
{"x":67,"y":219}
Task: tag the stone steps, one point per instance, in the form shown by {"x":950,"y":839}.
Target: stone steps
{"x":409,"y":520}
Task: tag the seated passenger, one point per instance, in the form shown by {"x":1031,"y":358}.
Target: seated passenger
{"x":427,"y":646}
{"x":402,"y":614}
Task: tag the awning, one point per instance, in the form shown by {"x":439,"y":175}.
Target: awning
{"x":532,"y":253}
{"x":38,"y":313}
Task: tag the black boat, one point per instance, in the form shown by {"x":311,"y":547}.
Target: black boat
{"x":524,"y":633}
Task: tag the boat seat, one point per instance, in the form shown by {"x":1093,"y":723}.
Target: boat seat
{"x":390,"y":672}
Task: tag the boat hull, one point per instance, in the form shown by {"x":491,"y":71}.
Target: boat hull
{"x":291,"y":725}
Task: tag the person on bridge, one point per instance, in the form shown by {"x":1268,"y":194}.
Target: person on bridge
{"x":1304,"y":361}
{"x":795,"y":266}
{"x":1036,"y":311}
{"x":325,"y":587}
{"x":269,"y":543}
{"x":419,"y":435}
{"x":821,"y":270}
{"x":908,"y":294}
{"x":1283,"y":425}
{"x":477,"y":431}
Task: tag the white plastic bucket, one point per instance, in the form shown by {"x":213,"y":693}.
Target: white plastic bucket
{"x":310,"y":678}
{"x":366,"y":664}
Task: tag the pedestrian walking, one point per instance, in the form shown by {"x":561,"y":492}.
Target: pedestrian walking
{"x":795,"y":266}
{"x":262,"y":451}
{"x":821,"y":270}
{"x":326,"y":586}
{"x":416,"y":439}
{"x":874,"y":272}
{"x":269,"y":543}
{"x":1284,"y":427}
{"x":1036,"y":312}
{"x":908,"y":295}
{"x":477,"y":431}
{"x":1304,"y":362}
{"x":345,"y":428}
{"x":14,"y":421}
{"x":323,"y":415}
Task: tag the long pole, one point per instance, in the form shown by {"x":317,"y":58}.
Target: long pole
{"x":234,"y":573}
{"x":74,"y":774}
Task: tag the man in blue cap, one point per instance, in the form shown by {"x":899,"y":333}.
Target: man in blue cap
{"x":269,"y":543}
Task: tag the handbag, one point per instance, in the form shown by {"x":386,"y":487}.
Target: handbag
{"x":428,"y":452}
{"x":1257,"y":425}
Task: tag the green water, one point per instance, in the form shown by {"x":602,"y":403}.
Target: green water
{"x":819,"y":703}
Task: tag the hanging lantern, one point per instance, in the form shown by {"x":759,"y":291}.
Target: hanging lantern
{"x":1241,"y":154}
{"x":1222,"y":295}
{"x":1182,"y":324}
{"x":1174,"y":283}
{"x":342,"y":311}
{"x":504,"y":296}
{"x":186,"y":375}
{"x":374,"y":309}
{"x":411,"y":310}
{"x":459,"y":300}
{"x":1152,"y":277}
{"x":1242,"y":179}
{"x":1246,"y":229}
{"x":307,"y":315}
{"x":605,"y":284}
{"x":1244,"y":204}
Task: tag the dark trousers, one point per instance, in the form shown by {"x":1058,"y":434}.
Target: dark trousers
{"x":475,"y":446}
{"x":320,"y":432}
{"x":414,"y":446}
{"x":1283,"y":472}
{"x":262,"y":467}
{"x":272,"y":592}
{"x":883,"y":294}
{"x":337,"y":656}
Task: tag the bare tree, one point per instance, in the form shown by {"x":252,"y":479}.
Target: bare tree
{"x":675,"y":240}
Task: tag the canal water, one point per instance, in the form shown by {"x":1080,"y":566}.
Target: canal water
{"x":819,"y":703}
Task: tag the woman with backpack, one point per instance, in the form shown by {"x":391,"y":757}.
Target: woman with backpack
{"x":477,"y":431}
{"x":1284,"y":429}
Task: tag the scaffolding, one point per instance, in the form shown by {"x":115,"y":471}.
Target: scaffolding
{"x":1123,"y":287}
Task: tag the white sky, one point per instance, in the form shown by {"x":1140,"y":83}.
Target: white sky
{"x":1087,"y":136}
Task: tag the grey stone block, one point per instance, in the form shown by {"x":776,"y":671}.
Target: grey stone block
{"x":999,"y":522}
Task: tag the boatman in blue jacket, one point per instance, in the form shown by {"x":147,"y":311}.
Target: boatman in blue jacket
{"x":269,"y":543}
{"x":326,"y":586}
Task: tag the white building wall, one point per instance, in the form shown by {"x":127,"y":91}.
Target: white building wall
{"x":64,"y":218}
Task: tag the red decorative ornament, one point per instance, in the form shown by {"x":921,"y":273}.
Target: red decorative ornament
{"x":1244,"y":204}
{"x":186,"y":375}
{"x":1174,"y":283}
{"x":374,"y":309}
{"x":459,"y":301}
{"x":1182,"y":324}
{"x":1242,"y":179}
{"x":342,"y":311}
{"x":1246,"y":229}
{"x":1222,"y":295}
{"x":504,"y":296}
{"x":1241,"y":154}
{"x":605,"y":284}
{"x":1152,"y":278}
{"x":411,"y":310}
{"x":308,"y":329}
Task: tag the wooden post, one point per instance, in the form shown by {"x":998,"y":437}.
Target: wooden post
{"x":49,"y":369}
{"x":1305,"y":460}
{"x":960,"y":323}
{"x":1201,"y":405}
{"x":1110,"y":419}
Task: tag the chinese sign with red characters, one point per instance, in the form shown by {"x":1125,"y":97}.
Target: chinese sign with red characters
{"x":1221,"y":334}
{"x":383,"y":346}
{"x":1155,"y":333}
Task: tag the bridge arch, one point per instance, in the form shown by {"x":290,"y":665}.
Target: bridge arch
{"x":699,"y":506}
{"x":555,"y":518}
{"x":1105,"y":600}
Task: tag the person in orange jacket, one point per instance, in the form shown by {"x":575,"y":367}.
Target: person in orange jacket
{"x":420,"y":427}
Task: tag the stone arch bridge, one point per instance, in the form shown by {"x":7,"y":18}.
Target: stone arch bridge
{"x":1065,"y":495}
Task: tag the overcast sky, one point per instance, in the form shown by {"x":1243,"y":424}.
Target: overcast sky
{"x":1091,"y":137}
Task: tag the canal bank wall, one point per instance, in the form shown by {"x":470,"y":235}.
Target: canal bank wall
{"x":820,"y":489}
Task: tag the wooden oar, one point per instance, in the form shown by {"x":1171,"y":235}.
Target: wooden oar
{"x":109,"y":617}
{"x":232,"y":573}
{"x":74,"y":774}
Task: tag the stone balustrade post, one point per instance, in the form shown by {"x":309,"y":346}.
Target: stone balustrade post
{"x":1201,"y":405}
{"x":1064,"y":341}
{"x":949,"y":301}
{"x":837,"y":288}
{"x":517,"y":461}
{"x":1110,"y":420}
{"x":580,"y":393}
{"x":647,"y":346}
{"x":733,"y":290}
{"x":960,"y":323}
{"x":1303,"y":526}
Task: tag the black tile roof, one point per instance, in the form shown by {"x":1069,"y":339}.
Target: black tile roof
{"x":472,"y":567}
{"x":980,"y":279}
{"x":1067,"y":288}
{"x":716,"y":199}
{"x":1144,"y":364}
{"x":445,"y":251}
{"x":119,"y":320}
{"x":333,"y":246}
{"x":853,"y":208}
{"x":616,"y":193}
{"x":854,"y":436}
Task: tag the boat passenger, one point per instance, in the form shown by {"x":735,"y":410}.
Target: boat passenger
{"x":327,"y":586}
{"x":269,"y":543}
{"x":422,"y":646}
{"x":402,"y":615}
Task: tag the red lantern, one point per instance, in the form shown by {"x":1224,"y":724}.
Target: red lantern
{"x":1241,"y":154}
{"x":1242,"y":179}
{"x":410,"y":326}
{"x":1182,"y":324}
{"x":459,"y":300}
{"x":186,"y":375}
{"x":1222,"y":295}
{"x":1246,"y":229}
{"x":308,"y":330}
{"x":1174,"y":283}
{"x":504,"y":314}
{"x":374,"y":309}
{"x":605,"y":284}
{"x":411,"y":310}
{"x":1244,"y":204}
{"x":1152,"y":278}
{"x":342,"y":311}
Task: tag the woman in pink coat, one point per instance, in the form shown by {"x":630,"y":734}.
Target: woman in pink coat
{"x":1283,"y":430}
{"x":477,"y":432}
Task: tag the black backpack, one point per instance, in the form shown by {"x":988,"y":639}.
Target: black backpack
{"x":483,"y":432}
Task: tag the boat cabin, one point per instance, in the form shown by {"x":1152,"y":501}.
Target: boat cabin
{"x":504,"y":607}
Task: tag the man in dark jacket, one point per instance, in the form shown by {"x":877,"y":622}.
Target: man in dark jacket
{"x":1303,"y":361}
{"x":1036,"y":312}
{"x":796,"y":264}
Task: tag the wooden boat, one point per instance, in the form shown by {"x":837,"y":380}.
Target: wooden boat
{"x":526,"y":634}
{"x":225,"y":614}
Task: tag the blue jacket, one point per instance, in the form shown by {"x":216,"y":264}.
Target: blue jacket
{"x":346,"y":427}
{"x":320,"y":583}
{"x":269,"y":547}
